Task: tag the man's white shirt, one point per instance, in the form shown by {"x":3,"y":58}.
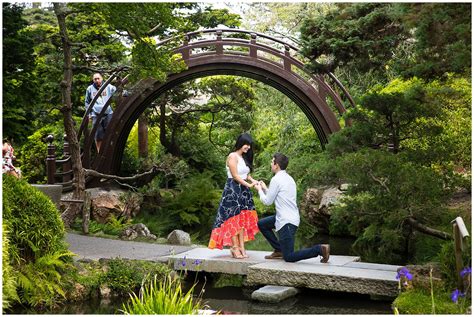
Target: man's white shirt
{"x":282,"y":191}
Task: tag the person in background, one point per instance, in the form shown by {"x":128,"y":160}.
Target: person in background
{"x":91,"y":92}
{"x":282,"y":192}
{"x":236,"y":220}
{"x":7,"y":160}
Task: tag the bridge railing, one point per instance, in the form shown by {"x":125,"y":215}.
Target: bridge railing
{"x":266,"y":48}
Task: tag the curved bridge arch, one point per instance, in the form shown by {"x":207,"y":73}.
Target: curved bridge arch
{"x":259,"y":56}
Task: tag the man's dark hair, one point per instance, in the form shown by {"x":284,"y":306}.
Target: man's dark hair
{"x":282,"y":160}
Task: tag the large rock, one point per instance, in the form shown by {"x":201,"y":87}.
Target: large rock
{"x":113,"y":202}
{"x":179,"y":237}
{"x":316,"y":206}
{"x":136,"y":231}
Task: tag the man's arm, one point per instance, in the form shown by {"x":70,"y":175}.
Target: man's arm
{"x":268,"y":197}
{"x":87,"y":99}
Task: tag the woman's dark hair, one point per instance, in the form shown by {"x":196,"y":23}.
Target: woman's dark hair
{"x":245,"y":139}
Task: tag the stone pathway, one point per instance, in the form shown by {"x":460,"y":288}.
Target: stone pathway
{"x":94,"y":248}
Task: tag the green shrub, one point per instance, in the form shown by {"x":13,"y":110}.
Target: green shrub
{"x":9,"y":294}
{"x":32,"y":155}
{"x":123,"y":276}
{"x":38,"y":252}
{"x":163,"y":296}
{"x":35,"y":226}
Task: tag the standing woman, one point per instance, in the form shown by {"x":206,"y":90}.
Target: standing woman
{"x":236,"y":220}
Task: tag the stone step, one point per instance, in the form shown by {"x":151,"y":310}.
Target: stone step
{"x":274,"y":293}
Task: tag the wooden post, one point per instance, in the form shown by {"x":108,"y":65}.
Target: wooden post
{"x":460,"y":232}
{"x":219,"y":45}
{"x":67,"y":166}
{"x":51,"y":159}
{"x":253,"y":45}
{"x":286,"y":60}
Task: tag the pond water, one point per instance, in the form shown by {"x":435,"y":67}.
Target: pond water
{"x":236,"y":300}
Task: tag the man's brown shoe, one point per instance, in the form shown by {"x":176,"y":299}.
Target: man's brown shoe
{"x":325,"y":253}
{"x":274,"y":255}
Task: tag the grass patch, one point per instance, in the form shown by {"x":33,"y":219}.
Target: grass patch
{"x":415,"y":302}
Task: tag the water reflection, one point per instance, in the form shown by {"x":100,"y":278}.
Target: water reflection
{"x":237,"y":300}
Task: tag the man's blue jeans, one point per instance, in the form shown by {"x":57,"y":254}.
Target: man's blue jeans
{"x":286,"y":242}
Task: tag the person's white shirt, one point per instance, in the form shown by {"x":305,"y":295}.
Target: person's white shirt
{"x":282,"y":191}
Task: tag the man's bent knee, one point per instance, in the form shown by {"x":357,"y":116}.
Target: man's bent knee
{"x":288,"y":258}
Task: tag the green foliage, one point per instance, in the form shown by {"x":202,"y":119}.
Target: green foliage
{"x":33,"y":153}
{"x":447,"y":260}
{"x":163,"y":297}
{"x":442,"y":32}
{"x":35,"y":226}
{"x":37,"y":251}
{"x":114,"y":226}
{"x":388,"y":190}
{"x":40,"y":281}
{"x":345,"y":36}
{"x":194,"y":204}
{"x":123,"y":276}
{"x":9,"y":294}
{"x":425,"y":39}
{"x":416,"y":302}
{"x":19,"y":87}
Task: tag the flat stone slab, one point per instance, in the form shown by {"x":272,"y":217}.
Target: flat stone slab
{"x":220,"y":261}
{"x":327,"y":276}
{"x":274,"y":293}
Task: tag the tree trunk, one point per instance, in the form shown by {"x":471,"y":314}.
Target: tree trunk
{"x":143,"y":136}
{"x":68,"y":216}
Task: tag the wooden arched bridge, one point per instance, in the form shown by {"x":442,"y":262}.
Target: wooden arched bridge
{"x":249,"y":54}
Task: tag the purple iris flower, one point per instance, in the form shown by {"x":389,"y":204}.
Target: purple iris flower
{"x":456,"y":294}
{"x":465,"y":271}
{"x":197,"y":262}
{"x":183,"y":263}
{"x":404,"y":273}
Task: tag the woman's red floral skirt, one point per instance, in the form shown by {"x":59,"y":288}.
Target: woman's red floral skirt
{"x":221,"y":236}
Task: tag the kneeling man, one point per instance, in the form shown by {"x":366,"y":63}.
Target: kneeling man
{"x":282,"y":192}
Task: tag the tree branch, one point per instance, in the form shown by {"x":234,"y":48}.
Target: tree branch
{"x":380,"y":181}
{"x":152,"y":172}
{"x":427,"y":230}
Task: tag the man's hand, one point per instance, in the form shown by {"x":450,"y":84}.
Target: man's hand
{"x":257,"y":186}
{"x":262,"y":185}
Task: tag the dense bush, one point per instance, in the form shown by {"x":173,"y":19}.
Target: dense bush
{"x":37,"y":251}
{"x":388,"y":190}
{"x":35,"y":226}
{"x":32,"y":155}
{"x":9,"y":294}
